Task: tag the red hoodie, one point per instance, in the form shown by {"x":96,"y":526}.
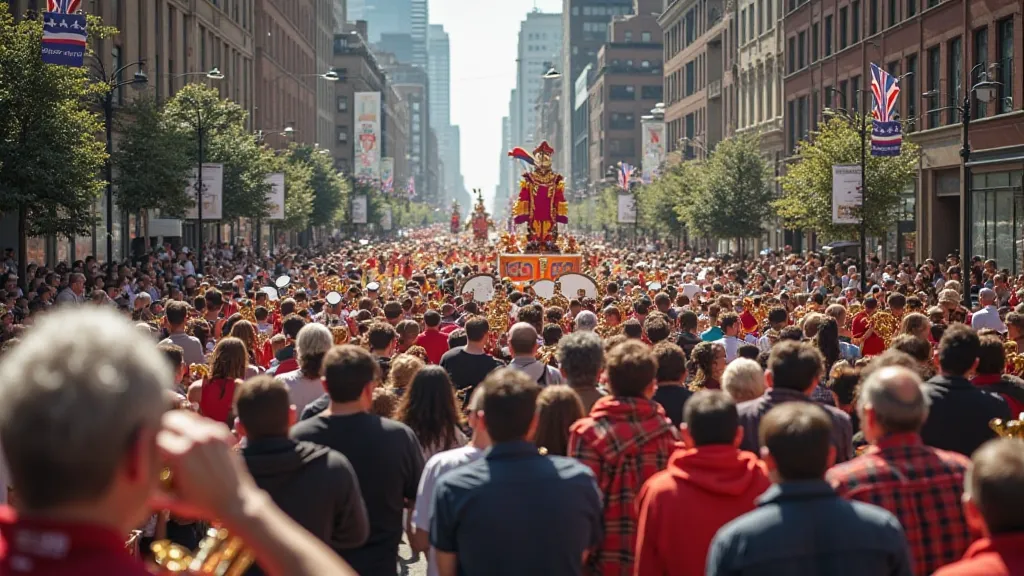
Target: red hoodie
{"x":680,"y":509}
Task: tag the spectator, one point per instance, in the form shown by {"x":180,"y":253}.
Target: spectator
{"x":920,"y":485}
{"x":305,"y":385}
{"x":523,"y":344}
{"x":959,"y":414}
{"x":549,"y":506}
{"x":404,"y":368}
{"x":285,"y":357}
{"x":383,"y":340}
{"x":794,"y":370}
{"x":708,"y":483}
{"x":175,"y":318}
{"x":432,"y":340}
{"x":688,"y":337}
{"x":586,"y":321}
{"x":625,"y":440}
{"x":580,"y":360}
{"x":707,"y":364}
{"x":800,"y":525}
{"x":730,"y":325}
{"x":988,"y":316}
{"x":468,"y":365}
{"x":428,"y":408}
{"x":994,"y":500}
{"x":671,"y":391}
{"x":558,"y":407}
{"x":743,"y":380}
{"x":989,"y":374}
{"x":216,"y":393}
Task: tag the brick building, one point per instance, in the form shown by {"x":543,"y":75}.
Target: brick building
{"x":828,"y":48}
{"x":286,"y":75}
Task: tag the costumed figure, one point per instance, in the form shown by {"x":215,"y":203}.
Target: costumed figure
{"x":456,"y":218}
{"x":480,"y":221}
{"x":541,"y":204}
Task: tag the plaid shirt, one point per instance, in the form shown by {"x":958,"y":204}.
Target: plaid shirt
{"x":921,"y":486}
{"x":624,"y":441}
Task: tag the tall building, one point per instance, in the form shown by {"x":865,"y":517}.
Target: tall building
{"x":286,"y":72}
{"x":584,"y":30}
{"x":439,"y":73}
{"x":339,"y":8}
{"x":506,"y":172}
{"x":540,"y":44}
{"x":395,"y":17}
{"x":328,"y":14}
{"x":411,"y":84}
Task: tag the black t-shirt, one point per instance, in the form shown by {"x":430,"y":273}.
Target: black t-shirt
{"x":673,"y":400}
{"x":466,"y":369}
{"x":388,"y":462}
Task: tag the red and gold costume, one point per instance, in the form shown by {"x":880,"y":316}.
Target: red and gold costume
{"x":456,"y":218}
{"x":480,"y":221}
{"x":541,"y":202}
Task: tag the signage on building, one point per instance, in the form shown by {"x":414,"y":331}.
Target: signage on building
{"x":582,"y":85}
{"x":367,"y":136}
{"x":627,"y":209}
{"x":653,"y":145}
{"x":212,"y":192}
{"x":845,"y":193}
{"x":276,"y":196}
{"x":359,"y":214}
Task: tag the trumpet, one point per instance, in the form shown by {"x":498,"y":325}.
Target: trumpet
{"x":1008,"y":429}
{"x":198,"y":372}
{"x":884,"y":324}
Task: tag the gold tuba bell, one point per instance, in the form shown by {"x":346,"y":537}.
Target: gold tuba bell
{"x":885,"y":325}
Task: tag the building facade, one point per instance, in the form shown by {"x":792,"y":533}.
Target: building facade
{"x":395,"y":18}
{"x":540,"y":41}
{"x":328,"y":14}
{"x":286,"y":74}
{"x":439,"y":75}
{"x":627,"y":84}
{"x":828,"y":49}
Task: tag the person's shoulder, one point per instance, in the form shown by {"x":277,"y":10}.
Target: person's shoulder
{"x":572,"y":469}
{"x":448,"y":460}
{"x":874,"y":517}
{"x":454,"y":352}
{"x":308,"y":429}
{"x":462,"y":478}
{"x":392,"y":428}
{"x":750,"y":407}
{"x":836,"y":414}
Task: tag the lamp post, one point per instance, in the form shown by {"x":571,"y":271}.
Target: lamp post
{"x":985,"y":91}
{"x":139,"y":79}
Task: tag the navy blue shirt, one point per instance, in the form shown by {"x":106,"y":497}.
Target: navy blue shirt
{"x":516,"y":512}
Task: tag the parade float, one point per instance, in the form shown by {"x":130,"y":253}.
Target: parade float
{"x":456,"y":218}
{"x":480,"y":221}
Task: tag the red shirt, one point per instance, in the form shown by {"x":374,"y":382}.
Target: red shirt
{"x":217,"y":398}
{"x":982,"y":380}
{"x":874,"y":345}
{"x":435,"y":343}
{"x":47,"y":548}
{"x":1001,"y":555}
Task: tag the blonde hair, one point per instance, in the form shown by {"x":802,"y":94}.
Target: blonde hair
{"x":385,"y":402}
{"x":404,"y":368}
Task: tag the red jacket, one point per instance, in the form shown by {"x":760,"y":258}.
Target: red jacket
{"x":874,"y":345}
{"x":435,"y":343}
{"x":1001,"y":555}
{"x":624,"y":441}
{"x":680,"y":509}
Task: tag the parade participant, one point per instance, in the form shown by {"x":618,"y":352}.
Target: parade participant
{"x":625,"y":439}
{"x":388,"y":485}
{"x":1015,"y":329}
{"x":989,"y":375}
{"x":920,"y":485}
{"x":541,"y":204}
{"x":708,"y":482}
{"x":523,"y":345}
{"x":432,"y":340}
{"x":215,"y":394}
{"x":671,"y":391}
{"x":872,"y":343}
{"x":553,"y":499}
{"x":284,"y":359}
{"x":580,"y":361}
{"x":800,"y":525}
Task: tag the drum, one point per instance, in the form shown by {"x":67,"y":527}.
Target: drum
{"x":480,"y":285}
{"x":544,"y":288}
{"x":572,"y":283}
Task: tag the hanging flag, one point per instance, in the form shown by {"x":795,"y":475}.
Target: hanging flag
{"x":626,"y":172}
{"x":886,"y":131}
{"x":411,"y":189}
{"x":64,"y":39}
{"x":63,"y":6}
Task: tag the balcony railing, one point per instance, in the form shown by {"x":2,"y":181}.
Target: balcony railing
{"x":715,"y":89}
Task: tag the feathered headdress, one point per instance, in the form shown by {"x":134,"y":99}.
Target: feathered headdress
{"x":524,"y":157}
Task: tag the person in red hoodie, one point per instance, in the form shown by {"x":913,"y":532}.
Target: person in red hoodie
{"x":626,"y":439}
{"x":708,"y":483}
{"x":871,"y":344}
{"x":432,"y":340}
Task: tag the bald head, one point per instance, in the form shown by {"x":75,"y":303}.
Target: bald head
{"x":896,"y":397}
{"x":522,"y":338}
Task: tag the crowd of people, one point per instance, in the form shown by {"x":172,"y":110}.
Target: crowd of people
{"x":306,"y":412}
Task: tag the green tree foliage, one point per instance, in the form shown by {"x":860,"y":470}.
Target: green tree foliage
{"x":806,"y":201}
{"x":298,"y":195}
{"x":226,"y":141}
{"x":660,"y":200}
{"x":152,"y":162}
{"x":330,"y":191}
{"x":48,"y":146}
{"x":732,"y":198}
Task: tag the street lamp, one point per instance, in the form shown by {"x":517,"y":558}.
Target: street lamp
{"x":213,"y":74}
{"x":139,"y":79}
{"x":984,"y":91}
{"x":551,"y":74}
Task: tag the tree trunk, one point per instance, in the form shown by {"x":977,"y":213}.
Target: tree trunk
{"x":23,"y":246}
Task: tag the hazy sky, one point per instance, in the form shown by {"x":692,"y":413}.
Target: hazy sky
{"x":484,"y":35}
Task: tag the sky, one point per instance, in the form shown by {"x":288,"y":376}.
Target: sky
{"x":483,"y":35}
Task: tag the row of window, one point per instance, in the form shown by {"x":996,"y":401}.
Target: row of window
{"x":683,"y":82}
{"x":682,"y":33}
{"x":753,"y":22}
{"x":623,"y":10}
{"x":645,"y":37}
{"x":628,"y":92}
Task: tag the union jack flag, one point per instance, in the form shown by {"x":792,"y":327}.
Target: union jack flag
{"x":63,"y":6}
{"x":388,"y":185}
{"x":626,"y":174}
{"x":886,"y":131}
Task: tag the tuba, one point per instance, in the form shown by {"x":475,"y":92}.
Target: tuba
{"x":1010,"y":429}
{"x":885,"y":325}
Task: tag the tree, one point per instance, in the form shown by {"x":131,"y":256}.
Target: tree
{"x":330,"y":191}
{"x":806,"y":201}
{"x":659,"y":201}
{"x":152,"y":162}
{"x":51,"y":155}
{"x":298,"y":196}
{"x":733,"y":198}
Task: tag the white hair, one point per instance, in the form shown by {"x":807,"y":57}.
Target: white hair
{"x":313,"y":339}
{"x":743,"y":379}
{"x":586,"y":321}
{"x":73,"y":395}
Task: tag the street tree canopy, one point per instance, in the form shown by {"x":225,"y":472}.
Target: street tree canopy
{"x":330,"y":191}
{"x":298,"y":198}
{"x":806,"y":201}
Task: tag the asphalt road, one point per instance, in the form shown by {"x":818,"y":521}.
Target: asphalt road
{"x":408,"y":565}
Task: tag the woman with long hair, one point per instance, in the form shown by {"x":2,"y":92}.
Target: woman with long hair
{"x":557,"y":408}
{"x":827,"y":340}
{"x":246,"y":332}
{"x":429,"y":408}
{"x":707,"y":363}
{"x":216,"y":393}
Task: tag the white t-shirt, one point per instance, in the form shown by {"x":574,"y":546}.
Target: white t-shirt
{"x":435,"y":467}
{"x":301,"y":390}
{"x":732,"y":345}
{"x":988,"y":317}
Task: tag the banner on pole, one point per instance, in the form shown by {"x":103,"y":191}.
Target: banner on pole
{"x":367,"y":135}
{"x":886,"y":131}
{"x":64,"y":39}
{"x":276,"y":196}
{"x":359,"y":209}
{"x":846,"y":193}
{"x":212,"y":192}
{"x":387,"y":175}
{"x":653,"y":148}
{"x":627,"y":209}
{"x":385,"y":218}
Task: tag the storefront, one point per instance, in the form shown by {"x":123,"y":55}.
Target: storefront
{"x":997,"y":207}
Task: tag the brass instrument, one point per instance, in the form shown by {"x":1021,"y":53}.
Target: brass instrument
{"x":1014,"y":360}
{"x":559,"y":299}
{"x":885,"y":325}
{"x":1009,"y":429}
{"x":248,"y":311}
{"x":341,"y":335}
{"x":546,"y":354}
{"x":498,"y":311}
{"x":219,"y":554}
{"x":851,"y":311}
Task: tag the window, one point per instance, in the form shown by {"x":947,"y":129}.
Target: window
{"x":802,"y":117}
{"x":1004,"y":51}
{"x":791,"y":55}
{"x":791,"y":121}
{"x":855,"y":7}
{"x":769,"y":91}
{"x":980,"y":61}
{"x":622,"y":121}
{"x":933,"y":3}
{"x":843,"y":102}
{"x":743,"y":25}
{"x":934,"y":64}
{"x":628,"y":37}
{"x":842,"y":29}
{"x":872,"y":17}
{"x":855,"y":93}
{"x":954,"y":78}
{"x":691,"y":78}
{"x":342,"y":103}
{"x":750,"y":21}
{"x":645,"y":37}
{"x":893,"y":13}
{"x":828,"y":35}
{"x":622,"y":92}
{"x":911,"y":8}
{"x":910,"y":85}
{"x":815,"y":39}
{"x":801,"y":49}
{"x":342,"y":134}
{"x":651,"y":93}
{"x":575,"y":10}
{"x":760,"y":17}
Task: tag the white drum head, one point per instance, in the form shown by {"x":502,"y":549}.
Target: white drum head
{"x":544,"y":288}
{"x":481,"y":286}
{"x":271,"y":293}
{"x":572,"y":283}
{"x":282,"y":282}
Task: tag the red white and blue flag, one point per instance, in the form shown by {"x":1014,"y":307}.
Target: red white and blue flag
{"x":886,"y":131}
{"x":63,"y":6}
{"x":64,"y":39}
{"x":388,"y":184}
{"x":627,"y":172}
{"x":411,"y":189}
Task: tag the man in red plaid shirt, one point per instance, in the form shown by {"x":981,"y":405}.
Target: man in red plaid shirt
{"x":625,"y":440}
{"x":920,"y":485}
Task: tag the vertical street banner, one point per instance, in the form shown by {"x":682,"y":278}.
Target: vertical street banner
{"x":359,"y":212}
{"x":653,"y":148}
{"x":845,"y":193}
{"x":276,"y":196}
{"x":64,"y":39}
{"x":367,"y":141}
{"x":387,"y":175}
{"x":627,"y":209}
{"x":886,"y":131}
{"x":385,"y":218}
{"x":212,"y":190}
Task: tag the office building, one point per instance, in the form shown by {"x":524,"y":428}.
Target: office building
{"x":328,"y":14}
{"x":540,"y":44}
{"x":286,"y":74}
{"x":395,"y":18}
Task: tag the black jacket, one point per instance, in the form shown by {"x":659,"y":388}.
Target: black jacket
{"x":960,"y":413}
{"x":314,"y":485}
